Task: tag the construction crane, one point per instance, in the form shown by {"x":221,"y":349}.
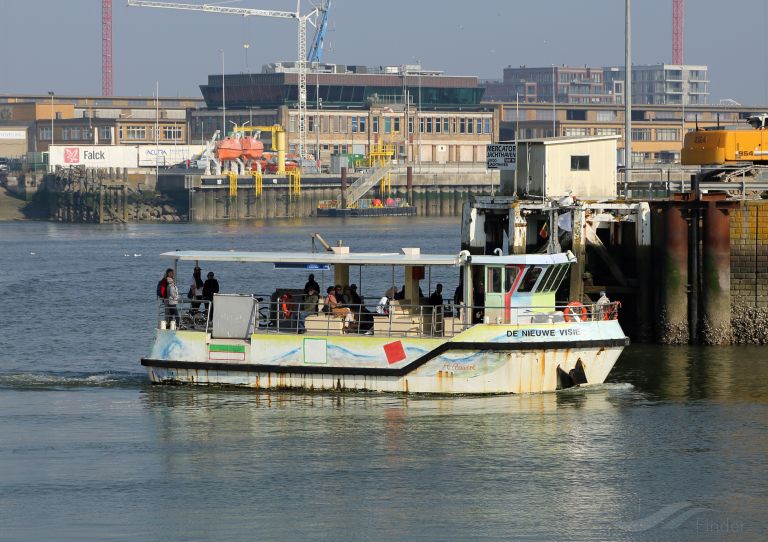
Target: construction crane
{"x":677,"y":31}
{"x":315,"y":54}
{"x":311,"y":17}
{"x":106,"y":48}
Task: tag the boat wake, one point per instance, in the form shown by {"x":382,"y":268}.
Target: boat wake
{"x":43,"y":380}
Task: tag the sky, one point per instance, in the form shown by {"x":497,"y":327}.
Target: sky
{"x":56,"y":44}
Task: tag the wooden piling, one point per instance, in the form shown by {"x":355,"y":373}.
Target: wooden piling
{"x":716,"y":276}
{"x":673,"y":313}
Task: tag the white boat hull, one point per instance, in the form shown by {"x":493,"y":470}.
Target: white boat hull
{"x":485,"y":359}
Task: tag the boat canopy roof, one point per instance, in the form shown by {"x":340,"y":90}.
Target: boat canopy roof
{"x":366,"y":258}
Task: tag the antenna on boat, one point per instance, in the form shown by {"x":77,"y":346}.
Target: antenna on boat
{"x":319,"y":238}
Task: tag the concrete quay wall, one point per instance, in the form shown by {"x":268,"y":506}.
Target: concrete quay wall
{"x":749,"y":272}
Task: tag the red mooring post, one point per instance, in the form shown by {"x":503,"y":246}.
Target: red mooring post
{"x":673,"y":317}
{"x":716,"y":276}
{"x":343,"y":187}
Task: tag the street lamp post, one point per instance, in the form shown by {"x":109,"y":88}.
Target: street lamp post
{"x":50,"y":93}
{"x":627,"y":92}
{"x":554,"y":99}
{"x":246,"y":46}
{"x":223,"y":99}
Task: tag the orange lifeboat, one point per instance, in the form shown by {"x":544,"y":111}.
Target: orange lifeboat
{"x":229,"y":148}
{"x":252,"y":148}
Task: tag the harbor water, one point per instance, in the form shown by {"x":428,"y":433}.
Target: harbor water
{"x":672,"y":447}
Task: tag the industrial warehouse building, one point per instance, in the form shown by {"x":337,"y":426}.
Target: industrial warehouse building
{"x":429,"y":117}
{"x":656,"y":84}
{"x":657,"y":130}
{"x":84,"y":120}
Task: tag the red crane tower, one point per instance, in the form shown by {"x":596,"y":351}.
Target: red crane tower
{"x":677,"y":31}
{"x":106,"y":48}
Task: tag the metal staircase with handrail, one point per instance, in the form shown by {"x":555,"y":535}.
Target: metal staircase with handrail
{"x":364,"y":183}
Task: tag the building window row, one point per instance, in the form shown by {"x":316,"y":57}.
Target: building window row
{"x":358,"y":124}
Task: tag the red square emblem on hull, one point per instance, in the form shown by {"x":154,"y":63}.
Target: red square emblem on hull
{"x":71,"y":155}
{"x":395,"y":352}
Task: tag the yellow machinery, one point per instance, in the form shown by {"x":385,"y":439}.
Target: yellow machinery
{"x":294,"y":182}
{"x":727,"y":146}
{"x":380,"y":155}
{"x":257,"y":182}
{"x":232,"y":183}
{"x":278,"y":141}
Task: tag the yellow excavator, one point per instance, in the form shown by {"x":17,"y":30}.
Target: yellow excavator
{"x":728,"y":147}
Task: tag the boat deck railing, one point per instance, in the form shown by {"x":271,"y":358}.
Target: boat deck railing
{"x":397,"y":320}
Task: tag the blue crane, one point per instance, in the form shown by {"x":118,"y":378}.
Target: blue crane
{"x":315,"y":53}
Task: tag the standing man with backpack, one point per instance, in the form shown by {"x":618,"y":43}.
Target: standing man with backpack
{"x":169,"y":293}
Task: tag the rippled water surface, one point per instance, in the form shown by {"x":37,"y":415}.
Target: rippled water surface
{"x":673,"y":447}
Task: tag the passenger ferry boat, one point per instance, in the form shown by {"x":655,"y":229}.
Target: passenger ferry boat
{"x":513,"y":339}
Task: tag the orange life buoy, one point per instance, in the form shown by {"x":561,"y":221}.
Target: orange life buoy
{"x":284,"y":306}
{"x":575,"y":311}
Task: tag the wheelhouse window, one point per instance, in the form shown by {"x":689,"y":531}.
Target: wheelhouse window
{"x":493,"y":282}
{"x":510,"y":278}
{"x":530,"y":279}
{"x":579,"y":163}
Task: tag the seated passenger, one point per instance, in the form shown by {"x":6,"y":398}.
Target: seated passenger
{"x":311,"y":299}
{"x":436,"y":298}
{"x":401,"y":294}
{"x":346,"y":296}
{"x":356,"y":299}
{"x":335,"y":308}
{"x":382,"y":307}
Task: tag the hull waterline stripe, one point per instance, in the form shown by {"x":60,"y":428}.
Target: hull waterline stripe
{"x":380,"y":371}
{"x":238,"y":348}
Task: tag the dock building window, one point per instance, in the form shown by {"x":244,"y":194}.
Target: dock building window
{"x":375,"y":125}
{"x":469,"y":126}
{"x":641,"y":134}
{"x":607,"y":131}
{"x":606,"y":116}
{"x":410,"y":125}
{"x":462,"y":125}
{"x":579,"y":163}
{"x":354,"y":125}
{"x":292,"y":123}
{"x":105,"y":134}
{"x":135,"y":133}
{"x":487,"y":126}
{"x":667,"y":134}
{"x":396,"y":125}
{"x":576,"y":132}
{"x":479,"y":129}
{"x":429,"y":125}
{"x":45,"y":133}
{"x":172,"y":133}
{"x":387,"y":125}
{"x":445,"y":125}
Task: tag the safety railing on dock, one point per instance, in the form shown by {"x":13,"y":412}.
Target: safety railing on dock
{"x":392,"y":319}
{"x":740,"y":182}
